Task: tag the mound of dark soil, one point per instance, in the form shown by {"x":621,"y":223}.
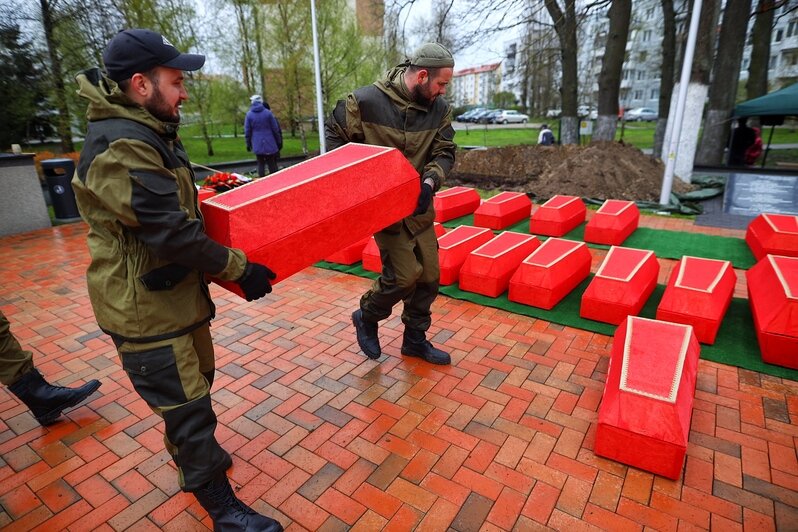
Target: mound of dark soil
{"x":603,"y":170}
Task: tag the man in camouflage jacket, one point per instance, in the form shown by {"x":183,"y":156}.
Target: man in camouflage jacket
{"x":149,"y":253}
{"x":404,"y":110}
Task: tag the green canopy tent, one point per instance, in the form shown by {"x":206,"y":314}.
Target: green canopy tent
{"x":771,"y":108}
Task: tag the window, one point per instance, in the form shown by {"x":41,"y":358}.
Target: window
{"x":641,"y":74}
{"x":773,"y":60}
{"x":641,"y":57}
{"x":779,"y":35}
{"x":655,"y":94}
{"x":791,"y":29}
{"x":646,"y":35}
{"x":638,"y":95}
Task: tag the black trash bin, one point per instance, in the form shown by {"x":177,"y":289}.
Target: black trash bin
{"x":58,"y":175}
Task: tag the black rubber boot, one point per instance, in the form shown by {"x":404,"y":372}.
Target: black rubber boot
{"x":415,"y":344}
{"x":229,"y":513}
{"x":367,"y":337}
{"x":46,"y":401}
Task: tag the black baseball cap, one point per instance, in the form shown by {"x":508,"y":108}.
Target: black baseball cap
{"x":136,"y":50}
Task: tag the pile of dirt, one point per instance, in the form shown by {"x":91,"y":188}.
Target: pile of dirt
{"x":603,"y":170}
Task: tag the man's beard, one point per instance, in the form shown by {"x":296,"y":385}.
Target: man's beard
{"x":418,"y":95}
{"x":161,"y":110}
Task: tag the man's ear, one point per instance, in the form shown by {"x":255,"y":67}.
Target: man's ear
{"x":140,"y":84}
{"x":422,"y":76}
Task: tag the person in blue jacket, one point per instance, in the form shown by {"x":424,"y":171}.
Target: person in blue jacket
{"x":263,"y":135}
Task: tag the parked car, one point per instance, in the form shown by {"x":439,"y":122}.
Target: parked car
{"x":488,"y":117}
{"x":587,"y":111}
{"x":477,"y":116}
{"x":553,"y":113}
{"x":640,"y":114}
{"x":465,"y":117}
{"x":510,"y":117}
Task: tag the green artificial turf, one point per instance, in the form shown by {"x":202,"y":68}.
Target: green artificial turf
{"x":735,"y":344}
{"x":665,"y":244}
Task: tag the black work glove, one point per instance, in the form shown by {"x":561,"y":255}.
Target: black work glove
{"x":249,"y":146}
{"x":424,"y":199}
{"x":255,"y":283}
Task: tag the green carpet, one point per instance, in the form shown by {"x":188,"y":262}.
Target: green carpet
{"x":664,"y":244}
{"x":735,"y":345}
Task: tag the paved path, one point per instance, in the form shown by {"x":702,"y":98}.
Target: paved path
{"x":325,"y":439}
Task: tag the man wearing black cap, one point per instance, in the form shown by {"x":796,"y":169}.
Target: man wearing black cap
{"x":404,"y":110}
{"x":135,"y":189}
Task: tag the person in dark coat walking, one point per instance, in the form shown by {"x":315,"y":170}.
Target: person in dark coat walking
{"x":263,"y":135}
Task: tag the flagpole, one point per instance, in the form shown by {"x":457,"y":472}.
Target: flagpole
{"x":317,"y":68}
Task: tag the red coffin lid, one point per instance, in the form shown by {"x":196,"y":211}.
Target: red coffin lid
{"x":552,"y":251}
{"x":651,"y":367}
{"x":623,"y":263}
{"x":782,"y":223}
{"x":786,"y":269}
{"x":614,"y":207}
{"x":702,"y":275}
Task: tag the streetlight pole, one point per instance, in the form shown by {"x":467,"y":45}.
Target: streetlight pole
{"x":317,"y":68}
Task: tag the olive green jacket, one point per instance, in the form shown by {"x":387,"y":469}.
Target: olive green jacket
{"x":385,"y":114}
{"x":149,"y":251}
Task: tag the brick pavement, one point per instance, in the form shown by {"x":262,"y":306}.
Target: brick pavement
{"x":325,"y":439}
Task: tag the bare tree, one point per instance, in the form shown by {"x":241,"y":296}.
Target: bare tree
{"x":725,"y":77}
{"x":666,"y":72}
{"x":64,"y":126}
{"x":757,"y":84}
{"x":620,"y":13}
{"x":565,"y":26}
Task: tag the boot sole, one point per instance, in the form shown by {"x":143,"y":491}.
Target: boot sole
{"x":51,"y":417}
{"x":411,"y":354}
{"x":371,"y":355}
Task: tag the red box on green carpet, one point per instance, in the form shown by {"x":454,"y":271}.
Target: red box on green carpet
{"x":773,"y":296}
{"x":558,"y":216}
{"x":350,"y":254}
{"x":455,"y":202}
{"x":644,"y":416}
{"x":487,"y":269}
{"x":699,"y":292}
{"x":550,"y":273}
{"x":773,"y":234}
{"x":455,"y":247}
{"x":621,"y":286}
{"x":503,"y":210}
{"x":308,"y":211}
{"x":612,"y":223}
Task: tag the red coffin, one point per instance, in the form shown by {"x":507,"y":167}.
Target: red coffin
{"x":644,"y":417}
{"x":308,"y":211}
{"x":550,"y":273}
{"x":612,"y":223}
{"x":699,"y":292}
{"x":773,"y":234}
{"x":773,"y":295}
{"x":204,"y":194}
{"x":621,"y":286}
{"x":503,"y":210}
{"x":487,"y":269}
{"x":455,"y":202}
{"x":371,"y":253}
{"x":455,"y":246}
{"x":350,"y":254}
{"x":558,"y":216}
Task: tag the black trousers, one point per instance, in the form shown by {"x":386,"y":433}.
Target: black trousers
{"x":263,"y":161}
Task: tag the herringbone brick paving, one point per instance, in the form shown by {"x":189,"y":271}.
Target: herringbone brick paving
{"x":325,"y":439}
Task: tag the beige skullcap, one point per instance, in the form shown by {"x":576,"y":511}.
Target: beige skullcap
{"x":432,"y":55}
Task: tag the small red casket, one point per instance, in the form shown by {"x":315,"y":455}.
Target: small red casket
{"x":550,"y":273}
{"x":699,"y":292}
{"x":644,"y":417}
{"x":487,"y":269}
{"x":773,"y":234}
{"x":455,"y":202}
{"x":503,"y":210}
{"x":455,"y":246}
{"x":558,"y":216}
{"x":308,"y":211}
{"x":371,"y":253}
{"x":621,"y":286}
{"x":773,"y":295}
{"x":612,"y":223}
{"x":350,"y":254}
{"x":204,"y":193}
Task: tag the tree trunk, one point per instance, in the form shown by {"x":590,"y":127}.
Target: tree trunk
{"x":696,"y":91}
{"x":666,"y":75}
{"x":259,"y":49}
{"x":611,"y":69}
{"x":246,"y":56}
{"x":726,"y":75}
{"x":760,"y":50}
{"x":64,"y":126}
{"x":565,"y":26}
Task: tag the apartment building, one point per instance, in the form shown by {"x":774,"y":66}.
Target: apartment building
{"x":476,"y":85}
